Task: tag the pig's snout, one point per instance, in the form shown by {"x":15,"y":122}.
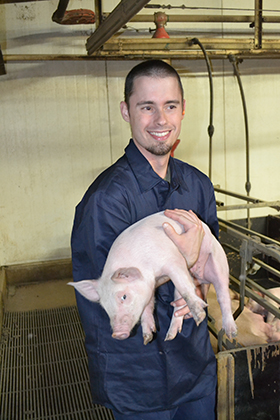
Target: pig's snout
{"x":120,"y":335}
{"x":122,"y":327}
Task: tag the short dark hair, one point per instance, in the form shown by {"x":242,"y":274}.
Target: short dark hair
{"x":149,"y":68}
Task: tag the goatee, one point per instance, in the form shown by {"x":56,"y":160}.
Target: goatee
{"x":159,"y":149}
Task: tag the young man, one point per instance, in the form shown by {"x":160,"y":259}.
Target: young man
{"x":163,"y":380}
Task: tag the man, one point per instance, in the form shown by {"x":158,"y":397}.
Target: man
{"x":163,"y":380}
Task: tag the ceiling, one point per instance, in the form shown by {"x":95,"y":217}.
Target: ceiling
{"x":111,"y":38}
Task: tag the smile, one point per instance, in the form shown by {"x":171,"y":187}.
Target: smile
{"x":159,"y":134}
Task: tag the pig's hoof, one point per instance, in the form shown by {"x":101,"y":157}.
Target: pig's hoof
{"x":171,"y":336}
{"x":199,"y":316}
{"x":231,"y":331}
{"x":197,"y":310}
{"x":147,"y":338}
{"x":174,"y":328}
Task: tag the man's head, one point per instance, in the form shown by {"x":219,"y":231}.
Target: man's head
{"x":154,"y":108}
{"x":150,"y":68}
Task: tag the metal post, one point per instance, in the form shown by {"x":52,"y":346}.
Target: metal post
{"x":98,"y":12}
{"x":258,"y":24}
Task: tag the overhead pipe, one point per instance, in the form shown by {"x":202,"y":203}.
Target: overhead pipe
{"x":210,"y":129}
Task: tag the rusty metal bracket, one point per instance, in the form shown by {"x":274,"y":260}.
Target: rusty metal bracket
{"x":122,"y":13}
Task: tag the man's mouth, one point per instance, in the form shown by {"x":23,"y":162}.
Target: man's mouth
{"x":159,"y":134}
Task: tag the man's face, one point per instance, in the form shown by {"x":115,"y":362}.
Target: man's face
{"x":155,"y":113}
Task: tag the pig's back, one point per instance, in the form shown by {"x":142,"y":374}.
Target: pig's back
{"x":144,"y":241}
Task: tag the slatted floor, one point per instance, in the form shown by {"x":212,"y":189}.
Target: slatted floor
{"x":43,"y":368}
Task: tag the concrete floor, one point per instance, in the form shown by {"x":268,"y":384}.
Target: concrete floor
{"x":41,"y":295}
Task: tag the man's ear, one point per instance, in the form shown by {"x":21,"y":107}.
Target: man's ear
{"x":184,"y":108}
{"x":124,"y":111}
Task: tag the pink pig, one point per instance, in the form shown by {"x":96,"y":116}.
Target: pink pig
{"x":271,"y":319}
{"x":142,"y":258}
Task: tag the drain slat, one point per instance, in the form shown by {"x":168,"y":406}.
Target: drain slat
{"x":43,"y":368}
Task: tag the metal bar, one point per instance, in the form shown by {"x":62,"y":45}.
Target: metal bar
{"x":265,"y":292}
{"x":98,"y":13}
{"x":182,"y":43}
{"x":144,"y":54}
{"x":273,"y":204}
{"x":255,"y":296}
{"x":201,"y":18}
{"x":124,"y":11}
{"x":241,"y":232}
{"x":258,"y":24}
{"x":237,"y":195}
{"x":262,"y":264}
{"x":267,"y":267}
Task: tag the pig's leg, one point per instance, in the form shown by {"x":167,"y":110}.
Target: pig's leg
{"x":183,"y":281}
{"x":216,"y":272}
{"x":148,"y":321}
{"x":176,"y":322}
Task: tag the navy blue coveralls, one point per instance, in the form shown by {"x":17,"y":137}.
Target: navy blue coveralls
{"x":126,"y":375}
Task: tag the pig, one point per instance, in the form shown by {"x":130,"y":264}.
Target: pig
{"x":252,"y":329}
{"x":142,"y":258}
{"x":271,"y":319}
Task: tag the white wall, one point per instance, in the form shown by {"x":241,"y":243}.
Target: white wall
{"x":60,"y":126}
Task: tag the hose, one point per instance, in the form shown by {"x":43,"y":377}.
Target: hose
{"x":210,"y":129}
{"x":234,"y":62}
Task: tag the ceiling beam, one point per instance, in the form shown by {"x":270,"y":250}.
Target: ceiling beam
{"x":124,"y":11}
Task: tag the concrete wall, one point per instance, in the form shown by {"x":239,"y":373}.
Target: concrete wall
{"x":60,"y":126}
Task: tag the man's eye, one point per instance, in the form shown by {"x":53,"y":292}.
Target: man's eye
{"x":123,"y":297}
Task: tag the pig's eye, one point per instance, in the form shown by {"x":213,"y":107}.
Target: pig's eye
{"x":123,"y":297}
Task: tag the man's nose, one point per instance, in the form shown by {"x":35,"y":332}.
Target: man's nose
{"x":160,"y":117}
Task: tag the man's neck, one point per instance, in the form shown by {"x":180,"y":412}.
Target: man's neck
{"x":160,"y":165}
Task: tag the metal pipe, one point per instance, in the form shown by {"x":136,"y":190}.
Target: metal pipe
{"x":242,"y":232}
{"x":237,"y":195}
{"x":272,"y":204}
{"x":255,"y":296}
{"x":256,"y":202}
{"x":202,"y":18}
{"x":129,"y":54}
{"x":98,"y":12}
{"x":258,"y":24}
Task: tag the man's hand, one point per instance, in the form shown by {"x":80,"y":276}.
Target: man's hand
{"x":189,"y":242}
{"x":201,"y":291}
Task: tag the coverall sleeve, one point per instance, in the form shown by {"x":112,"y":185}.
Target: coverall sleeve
{"x":103,"y":219}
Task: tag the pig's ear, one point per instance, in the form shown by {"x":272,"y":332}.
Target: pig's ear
{"x":126,"y":274}
{"x":88,"y":289}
